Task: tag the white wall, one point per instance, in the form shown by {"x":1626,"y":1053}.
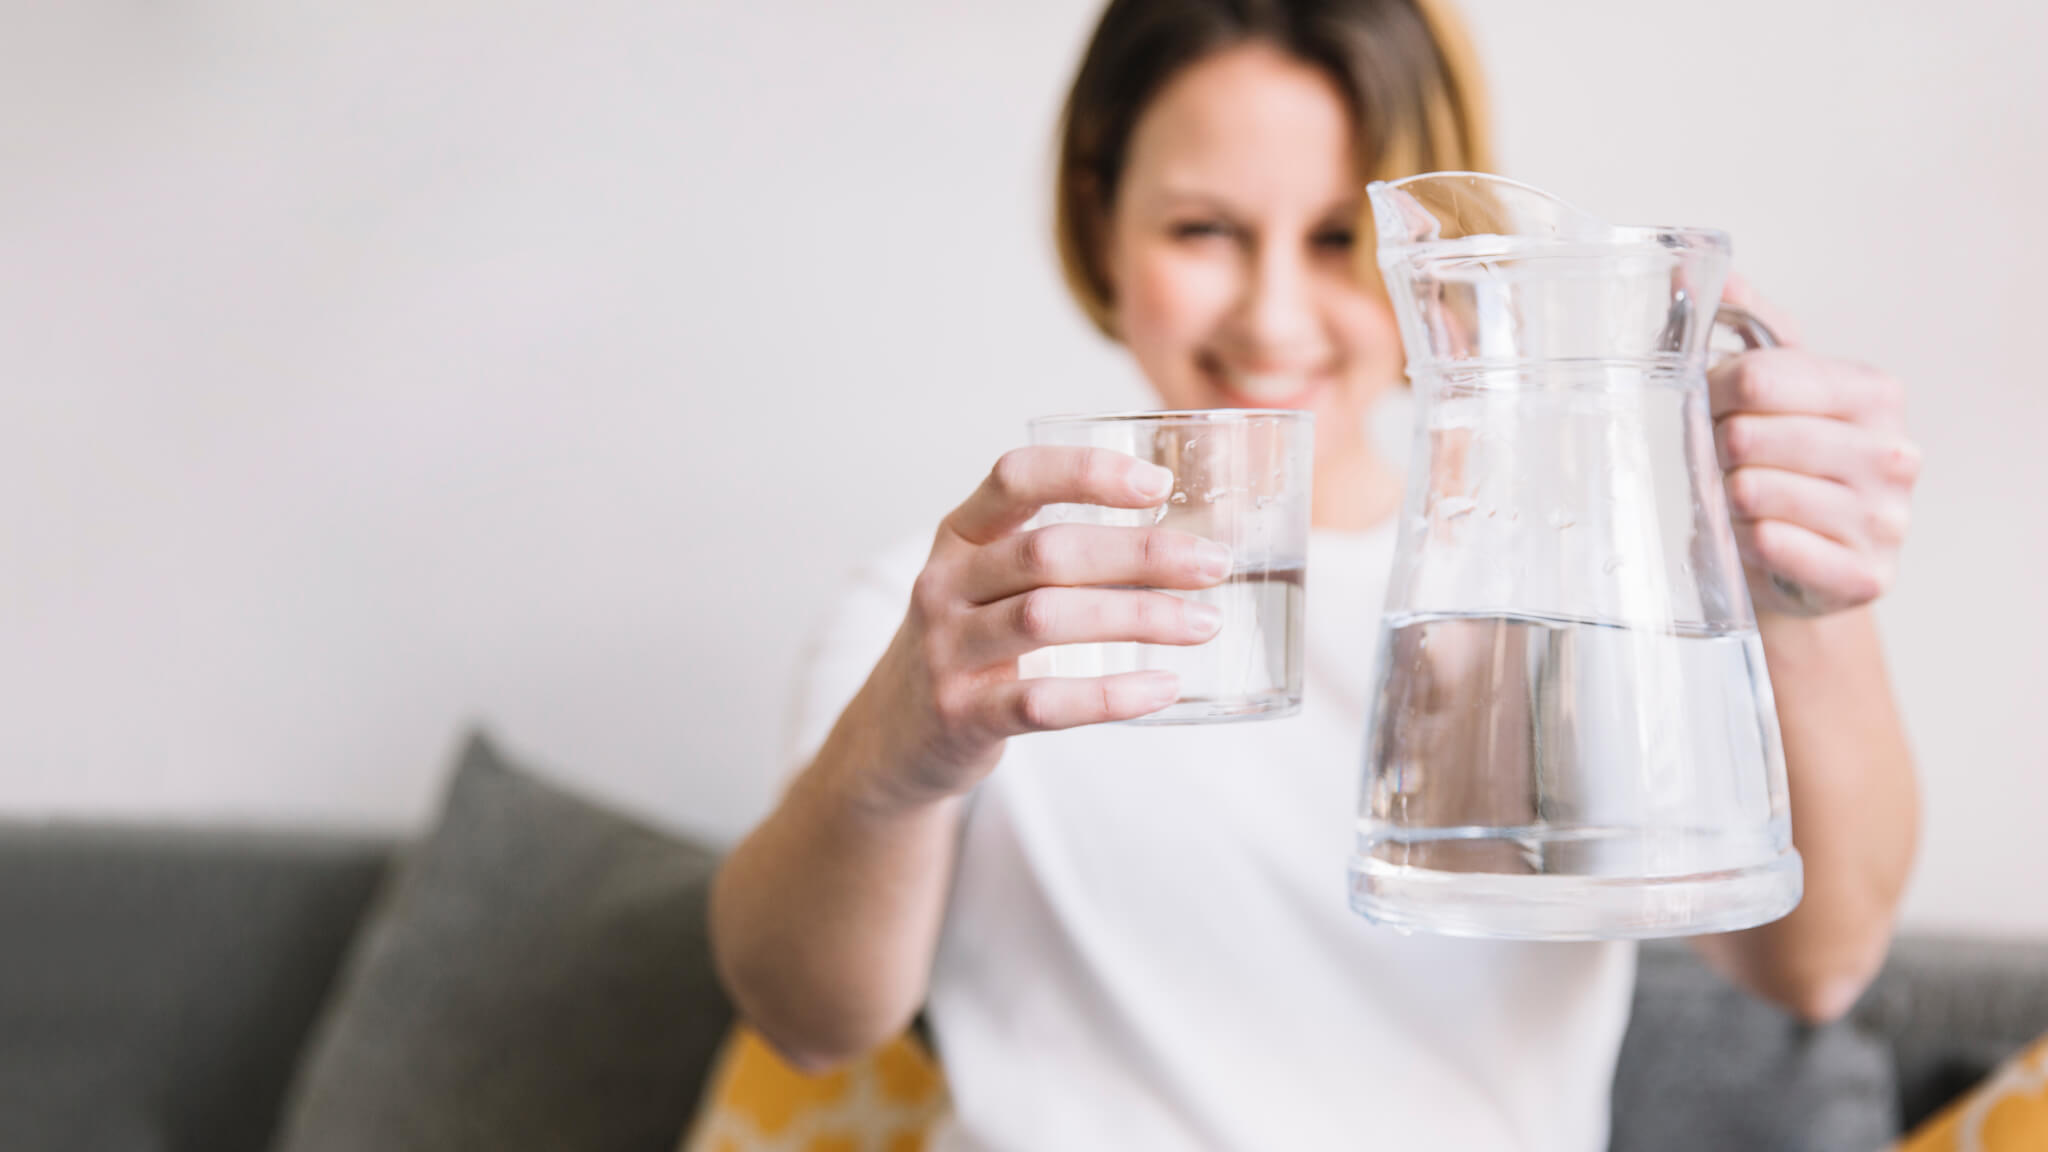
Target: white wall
{"x":365,"y":369}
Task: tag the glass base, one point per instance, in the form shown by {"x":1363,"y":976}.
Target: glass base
{"x":1557,"y":907}
{"x":1223,"y":709}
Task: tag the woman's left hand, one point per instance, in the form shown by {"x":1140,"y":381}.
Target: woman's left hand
{"x":1818,"y":471}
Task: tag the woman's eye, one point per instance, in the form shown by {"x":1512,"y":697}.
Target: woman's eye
{"x":1336,"y":239}
{"x":1199,"y":229}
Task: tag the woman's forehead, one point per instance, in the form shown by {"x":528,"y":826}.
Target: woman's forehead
{"x":1248,"y":124}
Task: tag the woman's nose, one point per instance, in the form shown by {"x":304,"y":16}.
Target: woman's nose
{"x":1277,"y":311}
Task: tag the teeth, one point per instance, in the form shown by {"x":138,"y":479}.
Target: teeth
{"x":1270,"y":385}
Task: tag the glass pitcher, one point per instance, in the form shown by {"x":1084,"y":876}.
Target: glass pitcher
{"x":1573,"y":735}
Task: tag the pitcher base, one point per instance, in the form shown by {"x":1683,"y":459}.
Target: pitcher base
{"x":1563,"y":907}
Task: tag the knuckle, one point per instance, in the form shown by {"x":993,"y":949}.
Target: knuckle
{"x":1757,"y":384}
{"x":1889,"y":522}
{"x":1036,"y":708}
{"x":930,"y":592}
{"x":1902,"y":462}
{"x":1038,"y":552}
{"x":1096,"y":469}
{"x":953,"y":701}
{"x":1745,"y":493}
{"x":1739,"y":439}
{"x":1766,"y":536}
{"x":1011,"y":471}
{"x":1157,"y":551}
{"x":1146,"y":614}
{"x":1038,"y":615}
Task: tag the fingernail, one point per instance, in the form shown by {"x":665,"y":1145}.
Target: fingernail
{"x":1212,"y":559}
{"x":1203,"y":619}
{"x":1152,"y":481}
{"x":1158,"y":689}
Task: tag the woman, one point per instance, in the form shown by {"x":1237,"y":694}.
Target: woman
{"x":1136,"y":938}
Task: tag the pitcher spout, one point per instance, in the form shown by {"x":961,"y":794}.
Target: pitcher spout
{"x":1482,"y":268}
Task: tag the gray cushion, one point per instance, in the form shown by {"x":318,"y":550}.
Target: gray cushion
{"x":1954,"y":1008}
{"x":540,"y":979}
{"x":1706,"y":1067}
{"x":157,"y":984}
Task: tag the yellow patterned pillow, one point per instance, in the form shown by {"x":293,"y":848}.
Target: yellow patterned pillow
{"x":2009,"y":1110}
{"x":886,"y":1101}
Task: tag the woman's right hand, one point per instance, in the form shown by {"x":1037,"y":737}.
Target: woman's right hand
{"x":947,"y":694}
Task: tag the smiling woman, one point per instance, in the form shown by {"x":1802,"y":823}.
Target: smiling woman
{"x":1136,"y":937}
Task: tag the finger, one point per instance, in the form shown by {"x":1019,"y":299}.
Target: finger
{"x":1804,"y":571}
{"x":1793,"y":382}
{"x":1027,"y":479}
{"x":1080,"y":554}
{"x":1818,"y":505}
{"x":1045,"y":616}
{"x":1818,"y":446}
{"x":1053,"y":703}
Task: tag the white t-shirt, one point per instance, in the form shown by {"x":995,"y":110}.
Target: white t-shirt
{"x":1148,"y":943}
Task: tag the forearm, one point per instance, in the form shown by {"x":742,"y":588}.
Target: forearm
{"x":1854,"y":817}
{"x":824,"y":919}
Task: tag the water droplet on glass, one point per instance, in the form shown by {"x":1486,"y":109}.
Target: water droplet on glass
{"x":1179,"y":497}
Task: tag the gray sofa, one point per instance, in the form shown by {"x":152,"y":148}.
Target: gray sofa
{"x":160,"y":988}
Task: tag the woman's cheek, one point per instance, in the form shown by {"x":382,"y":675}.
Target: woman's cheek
{"x":1180,"y":296}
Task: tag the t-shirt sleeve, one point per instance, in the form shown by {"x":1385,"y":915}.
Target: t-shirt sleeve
{"x":844,"y":650}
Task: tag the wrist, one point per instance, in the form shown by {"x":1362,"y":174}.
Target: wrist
{"x":1792,"y":640}
{"x":862,"y":772}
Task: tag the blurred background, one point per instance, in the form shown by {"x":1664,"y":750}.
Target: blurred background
{"x":368,"y":370}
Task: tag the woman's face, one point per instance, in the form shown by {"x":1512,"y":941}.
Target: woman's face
{"x":1230,"y":250}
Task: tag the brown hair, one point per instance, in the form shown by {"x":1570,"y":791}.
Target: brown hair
{"x":1405,"y":67}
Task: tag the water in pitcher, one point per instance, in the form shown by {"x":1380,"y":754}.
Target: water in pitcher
{"x":1249,"y":661}
{"x":1507,"y":749}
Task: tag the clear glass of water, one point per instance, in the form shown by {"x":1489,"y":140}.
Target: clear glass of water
{"x":1241,"y":477}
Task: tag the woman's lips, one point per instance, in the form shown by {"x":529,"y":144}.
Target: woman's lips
{"x":1302,"y":397}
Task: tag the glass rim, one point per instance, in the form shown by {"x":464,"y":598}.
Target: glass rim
{"x":1183,"y":415}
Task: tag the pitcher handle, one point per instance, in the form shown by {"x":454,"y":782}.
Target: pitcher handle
{"x":1746,"y":324}
{"x":1757,"y":334}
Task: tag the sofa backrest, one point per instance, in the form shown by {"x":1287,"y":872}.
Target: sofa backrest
{"x":157,"y":985}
